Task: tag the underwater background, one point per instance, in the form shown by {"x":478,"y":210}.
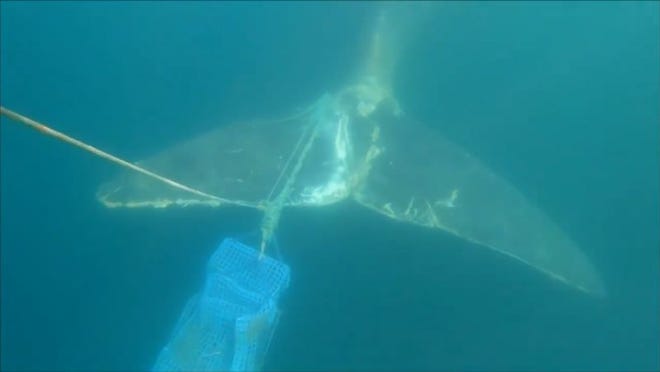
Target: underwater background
{"x":560,"y":98}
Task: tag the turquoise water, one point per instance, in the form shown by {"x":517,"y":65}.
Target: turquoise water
{"x":560,"y":98}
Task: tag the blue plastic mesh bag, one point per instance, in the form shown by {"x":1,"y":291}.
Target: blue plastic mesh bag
{"x":229,"y":324}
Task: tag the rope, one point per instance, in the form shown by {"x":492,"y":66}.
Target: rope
{"x":72,"y":141}
{"x":286,"y":165}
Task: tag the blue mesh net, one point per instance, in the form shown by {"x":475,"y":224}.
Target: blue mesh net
{"x":229,"y":324}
